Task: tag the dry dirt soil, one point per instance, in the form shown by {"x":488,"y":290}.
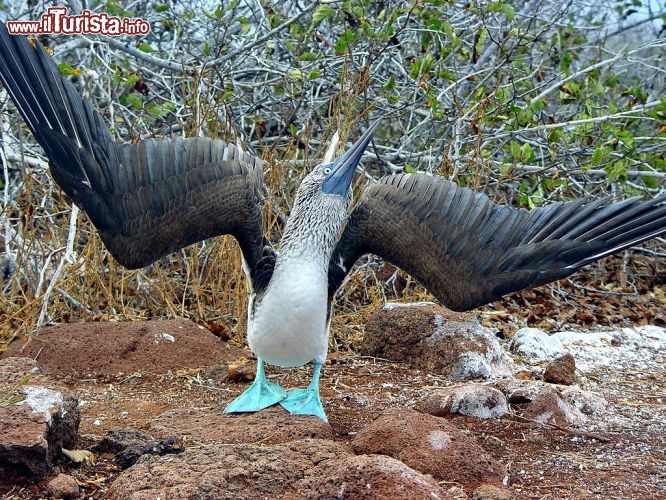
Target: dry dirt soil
{"x":124,"y":378}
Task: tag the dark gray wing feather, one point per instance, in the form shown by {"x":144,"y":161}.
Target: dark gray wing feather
{"x":468,"y":251}
{"x":147,"y":199}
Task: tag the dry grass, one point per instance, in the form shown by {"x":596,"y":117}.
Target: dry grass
{"x":203,"y":283}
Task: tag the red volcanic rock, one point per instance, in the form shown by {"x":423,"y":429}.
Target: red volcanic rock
{"x":431,"y":445}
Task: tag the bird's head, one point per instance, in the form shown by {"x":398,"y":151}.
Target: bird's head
{"x":333,"y":177}
{"x":324,"y":195}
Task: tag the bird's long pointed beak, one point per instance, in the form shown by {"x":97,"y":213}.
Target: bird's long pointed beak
{"x":343,"y":168}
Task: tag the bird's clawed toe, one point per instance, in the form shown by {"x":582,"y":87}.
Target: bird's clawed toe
{"x":260,"y":395}
{"x":304,"y":402}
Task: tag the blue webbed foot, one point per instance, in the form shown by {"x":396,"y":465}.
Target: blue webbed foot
{"x":261,"y":394}
{"x":306,"y":401}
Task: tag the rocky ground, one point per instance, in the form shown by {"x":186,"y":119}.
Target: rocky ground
{"x":137,"y":408}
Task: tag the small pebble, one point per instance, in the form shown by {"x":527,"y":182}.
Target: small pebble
{"x":63,"y":486}
{"x":561,"y":371}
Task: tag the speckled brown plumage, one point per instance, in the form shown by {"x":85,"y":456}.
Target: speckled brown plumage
{"x":468,"y":251}
{"x":146,"y":199}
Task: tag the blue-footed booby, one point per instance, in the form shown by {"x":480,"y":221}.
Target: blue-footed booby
{"x":154,"y":197}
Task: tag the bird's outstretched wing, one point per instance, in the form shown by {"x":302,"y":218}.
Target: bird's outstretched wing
{"x":468,"y":251}
{"x":147,"y":199}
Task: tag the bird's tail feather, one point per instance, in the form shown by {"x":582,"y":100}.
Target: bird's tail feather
{"x":571,"y":235}
{"x":622,"y":225}
{"x":38,"y":90}
{"x":46,"y":100}
{"x":71,"y":133}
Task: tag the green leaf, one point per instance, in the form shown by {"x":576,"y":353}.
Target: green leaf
{"x":448,"y":30}
{"x":157,"y":110}
{"x":504,"y":8}
{"x":161,"y":8}
{"x":409,"y":169}
{"x":347,"y":39}
{"x":524,"y":117}
{"x":297,"y":32}
{"x":525,"y":200}
{"x":554,"y":136}
{"x":115,"y":79}
{"x":482,"y":34}
{"x":112,"y":8}
{"x":67,"y":70}
{"x":132,"y":79}
{"x":144,"y":47}
{"x":341,"y":45}
{"x":446,"y":74}
{"x":598,"y":155}
{"x":526,"y":151}
{"x":322,"y":12}
{"x":515,"y":150}
{"x":415,"y":69}
{"x":626,"y":137}
{"x":650,"y":182}
{"x":134,"y":101}
{"x":308,"y":56}
{"x":617,"y":171}
{"x":276,"y":19}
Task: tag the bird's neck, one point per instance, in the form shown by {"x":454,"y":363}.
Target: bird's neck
{"x":309,"y":236}
{"x":302,"y":242}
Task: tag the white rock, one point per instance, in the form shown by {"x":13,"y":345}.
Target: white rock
{"x":474,"y":400}
{"x":523,"y":391}
{"x":43,"y":400}
{"x":479,"y":401}
{"x":536,"y":345}
{"x":642,"y":347}
{"x":586,"y":401}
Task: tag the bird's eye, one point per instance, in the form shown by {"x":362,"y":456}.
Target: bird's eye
{"x":328,"y":170}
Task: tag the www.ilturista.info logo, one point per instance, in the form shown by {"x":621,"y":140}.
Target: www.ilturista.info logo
{"x":57,"y":21}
